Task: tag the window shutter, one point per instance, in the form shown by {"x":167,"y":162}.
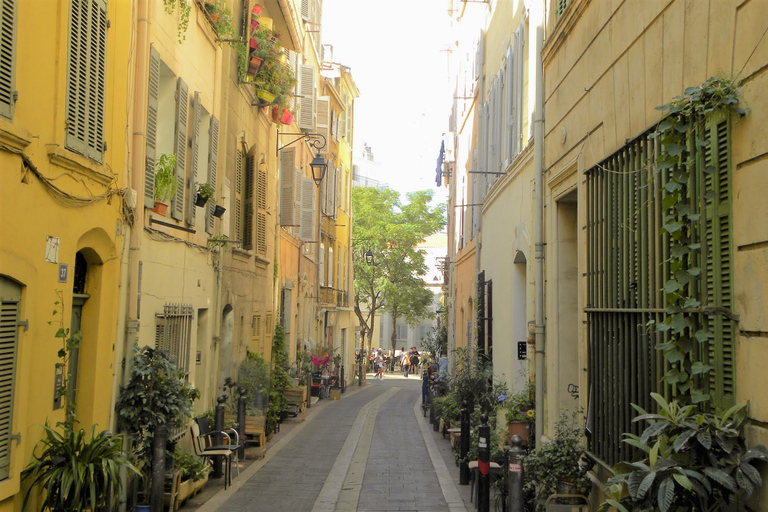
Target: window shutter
{"x":151,"y":152}
{"x":192,"y":181}
{"x":213,"y":162}
{"x":307,"y":98}
{"x":248,"y":210}
{"x":324,"y":117}
{"x":238,"y":217}
{"x":261,"y":211}
{"x":180,"y":147}
{"x":307,"y":233}
{"x":298,"y":176}
{"x":86,"y":77}
{"x":288,"y":187}
{"x":719,"y":259}
{"x":7,"y":56}
{"x":305,"y":10}
{"x":10,"y":299}
{"x":479,"y":57}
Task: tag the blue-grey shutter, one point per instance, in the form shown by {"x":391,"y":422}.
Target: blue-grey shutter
{"x":86,"y":77}
{"x":248,"y":213}
{"x":7,"y":56}
{"x":180,"y":148}
{"x":213,"y":159}
{"x":307,"y":98}
{"x":151,"y":151}
{"x":238,"y":216}
{"x":192,"y":181}
{"x":288,"y":187}
{"x":307,"y":231}
{"x":10,"y":299}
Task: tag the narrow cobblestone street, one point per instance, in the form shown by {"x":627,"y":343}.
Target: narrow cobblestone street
{"x":370,"y":451}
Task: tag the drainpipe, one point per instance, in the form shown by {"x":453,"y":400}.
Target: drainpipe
{"x":537,"y":26}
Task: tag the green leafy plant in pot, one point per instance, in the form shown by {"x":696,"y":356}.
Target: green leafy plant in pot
{"x":521,"y":411}
{"x":165,"y":182}
{"x":157,"y":394}
{"x":77,"y":473}
{"x":204,"y":192}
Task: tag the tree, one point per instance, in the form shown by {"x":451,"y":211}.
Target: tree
{"x":388,"y":266}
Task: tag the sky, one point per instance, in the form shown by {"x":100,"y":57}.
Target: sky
{"x":396,"y":51}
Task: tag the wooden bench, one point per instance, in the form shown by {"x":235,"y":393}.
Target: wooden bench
{"x":254,"y":430}
{"x":296,"y":401}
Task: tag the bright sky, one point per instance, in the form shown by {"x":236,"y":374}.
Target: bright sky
{"x":397,"y":54}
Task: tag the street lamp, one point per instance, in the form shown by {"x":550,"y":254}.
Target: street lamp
{"x":317,"y":141}
{"x":369,"y":257}
{"x":319,"y":166}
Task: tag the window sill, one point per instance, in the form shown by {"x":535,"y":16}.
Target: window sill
{"x":79,"y":164}
{"x":14,"y":136}
{"x":9,"y":487}
{"x":241,"y":254}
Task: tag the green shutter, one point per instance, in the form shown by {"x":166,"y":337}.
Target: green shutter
{"x":197,"y":115}
{"x":718,"y":248}
{"x":149,"y":169}
{"x":248,"y":200}
{"x":180,"y":148}
{"x":10,"y":299}
{"x":213,"y":159}
{"x":7,"y":56}
{"x":86,"y":78}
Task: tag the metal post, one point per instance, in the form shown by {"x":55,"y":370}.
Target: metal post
{"x":360,"y":373}
{"x":343,"y":382}
{"x":424,"y":387}
{"x":484,"y":465}
{"x":158,"y":468}
{"x":241,"y":421}
{"x":309,"y":390}
{"x":218,"y":425}
{"x":515,"y":456}
{"x":464,"y":445}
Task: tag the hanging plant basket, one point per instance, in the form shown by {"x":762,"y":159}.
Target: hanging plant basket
{"x":200,"y":200}
{"x":265,"y":96}
{"x":219,"y":211}
{"x":160,"y":208}
{"x":287,"y":117}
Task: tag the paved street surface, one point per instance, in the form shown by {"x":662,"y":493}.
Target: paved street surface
{"x":370,"y":451}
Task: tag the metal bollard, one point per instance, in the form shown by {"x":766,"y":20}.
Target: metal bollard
{"x":464,"y":445}
{"x":484,"y":465}
{"x":241,"y":421}
{"x":343,"y":382}
{"x":515,"y":456}
{"x":218,"y":426}
{"x":158,"y":468}
{"x":309,"y":390}
{"x":424,"y":387}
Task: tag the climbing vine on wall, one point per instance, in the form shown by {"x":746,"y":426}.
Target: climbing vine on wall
{"x":681,"y":141}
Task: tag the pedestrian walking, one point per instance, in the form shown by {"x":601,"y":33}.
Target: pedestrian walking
{"x":406,"y":363}
{"x":414,"y":360}
{"x":379,"y":366}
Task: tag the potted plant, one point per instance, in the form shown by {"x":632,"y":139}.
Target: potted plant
{"x":204,"y":192}
{"x":165,"y":182}
{"x":77,"y":473}
{"x":157,"y":394}
{"x":193,"y":472}
{"x":557,"y":467}
{"x":521,"y":412}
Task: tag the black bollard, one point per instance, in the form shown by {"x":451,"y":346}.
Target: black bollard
{"x":241,"y":421}
{"x":424,"y":387}
{"x":158,"y":468}
{"x":343,"y":381}
{"x":515,"y":456}
{"x":218,"y":426}
{"x":309,"y":390}
{"x":484,"y":465}
{"x":464,"y":445}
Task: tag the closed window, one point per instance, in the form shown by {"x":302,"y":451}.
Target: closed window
{"x":10,"y":307}
{"x":173,"y":333}
{"x":7,"y":56}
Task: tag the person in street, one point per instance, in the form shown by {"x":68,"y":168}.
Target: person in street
{"x":414,"y":360}
{"x":379,"y":366}
{"x":442,"y":363}
{"x":406,"y":363}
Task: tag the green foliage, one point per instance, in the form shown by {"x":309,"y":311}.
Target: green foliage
{"x":474,"y":382}
{"x":156,"y":394}
{"x":205,"y":190}
{"x":253,"y":374}
{"x":69,"y":342}
{"x":220,"y":17}
{"x":521,"y":405}
{"x":165,"y":179}
{"x":495,"y":444}
{"x":435,"y":343}
{"x":185,"y":9}
{"x":278,"y":379}
{"x":275,"y":74}
{"x":558,"y":461}
{"x":679,"y":134}
{"x":391,"y":230}
{"x":189,"y":465}
{"x":75,"y":472}
{"x":691,"y":461}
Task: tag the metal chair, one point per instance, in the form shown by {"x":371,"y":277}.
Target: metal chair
{"x":204,"y":447}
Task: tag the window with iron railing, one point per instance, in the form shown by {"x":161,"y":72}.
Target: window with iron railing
{"x":173,"y":333}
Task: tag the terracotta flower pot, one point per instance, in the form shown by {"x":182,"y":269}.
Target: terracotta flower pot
{"x":160,"y":208}
{"x":254,"y":65}
{"x":257,"y":9}
{"x":276,"y":113}
{"x":520,"y":428}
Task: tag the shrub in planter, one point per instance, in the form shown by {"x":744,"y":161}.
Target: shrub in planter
{"x":278,"y":379}
{"x":190,"y":466}
{"x":254,"y":375}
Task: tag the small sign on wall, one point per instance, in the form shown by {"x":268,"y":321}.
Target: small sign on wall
{"x":522,"y":350}
{"x":63,"y":269}
{"x":57,"y":380}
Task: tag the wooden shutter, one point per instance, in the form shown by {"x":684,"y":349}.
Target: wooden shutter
{"x":10,"y":300}
{"x":261,"y":210}
{"x":238,"y":216}
{"x":248,"y":200}
{"x":180,"y":148}
{"x":305,"y":10}
{"x":288,"y":187}
{"x":717,"y":244}
{"x":298,"y":178}
{"x":323,"y":126}
{"x":213,"y":159}
{"x":197,"y":117}
{"x":7,"y":56}
{"x":86,"y":76}
{"x":307,"y":98}
{"x":151,"y":151}
{"x":307,"y":232}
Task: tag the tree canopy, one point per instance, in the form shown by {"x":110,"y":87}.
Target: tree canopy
{"x":389,"y":268}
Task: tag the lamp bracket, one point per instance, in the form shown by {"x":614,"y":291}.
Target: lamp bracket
{"x":316,"y":140}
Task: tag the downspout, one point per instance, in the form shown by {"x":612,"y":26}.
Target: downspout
{"x":537,"y":23}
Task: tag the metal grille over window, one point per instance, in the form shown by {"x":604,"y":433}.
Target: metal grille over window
{"x":174,"y":331}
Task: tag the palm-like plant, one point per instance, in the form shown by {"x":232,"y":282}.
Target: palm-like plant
{"x":77,"y":473}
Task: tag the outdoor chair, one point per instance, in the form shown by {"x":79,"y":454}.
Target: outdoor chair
{"x":199,"y":445}
{"x":205,"y":441}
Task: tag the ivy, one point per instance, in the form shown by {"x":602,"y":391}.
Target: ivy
{"x":185,"y":9}
{"x":677,"y":133}
{"x":70,"y":341}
